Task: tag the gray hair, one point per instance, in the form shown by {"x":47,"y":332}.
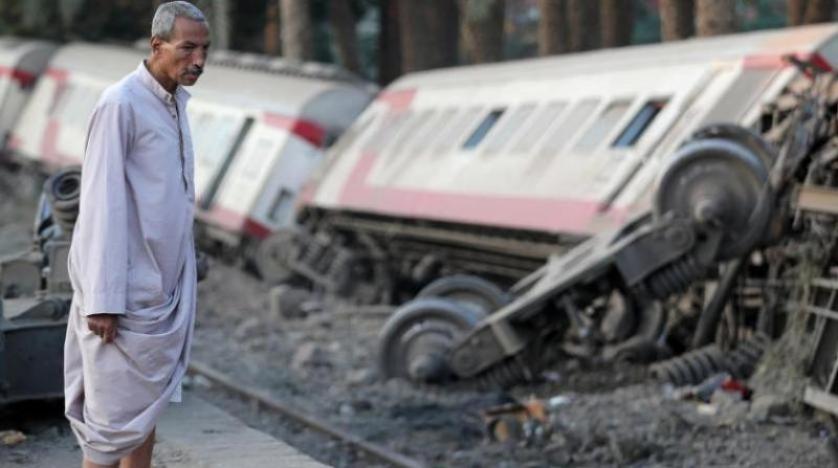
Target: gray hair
{"x":164,"y":18}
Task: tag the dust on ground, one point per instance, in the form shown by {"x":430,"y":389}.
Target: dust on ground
{"x":323,"y":364}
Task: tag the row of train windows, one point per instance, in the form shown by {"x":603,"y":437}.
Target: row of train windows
{"x":441,"y":130}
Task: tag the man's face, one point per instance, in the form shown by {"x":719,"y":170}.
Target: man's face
{"x":183,"y":56}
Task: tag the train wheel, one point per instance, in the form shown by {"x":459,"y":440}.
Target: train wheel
{"x":274,"y":255}
{"x":470,"y":291}
{"x":415,"y":341}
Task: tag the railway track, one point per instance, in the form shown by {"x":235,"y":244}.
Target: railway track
{"x":263,"y":399}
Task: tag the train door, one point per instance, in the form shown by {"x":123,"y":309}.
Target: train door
{"x":217,"y":133}
{"x":296,"y":162}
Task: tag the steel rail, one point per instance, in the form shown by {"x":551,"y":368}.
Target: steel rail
{"x":264,"y":399}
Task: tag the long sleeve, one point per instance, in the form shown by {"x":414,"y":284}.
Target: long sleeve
{"x":102,"y":226}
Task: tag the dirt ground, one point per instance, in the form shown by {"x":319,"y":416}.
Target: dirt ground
{"x":323,"y":364}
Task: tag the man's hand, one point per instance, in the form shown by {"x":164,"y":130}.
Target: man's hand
{"x":103,"y":325}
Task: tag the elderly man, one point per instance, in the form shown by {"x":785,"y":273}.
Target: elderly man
{"x":132,"y":260}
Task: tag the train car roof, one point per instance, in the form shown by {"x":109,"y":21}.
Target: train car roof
{"x":253,"y":86}
{"x":759,"y":46}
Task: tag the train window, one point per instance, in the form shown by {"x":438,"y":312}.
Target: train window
{"x":433,"y":131}
{"x":220,"y":138}
{"x":389,"y":127}
{"x":453,"y":128}
{"x":639,"y":123}
{"x":282,"y":206}
{"x":408,"y":136}
{"x":570,"y":124}
{"x":602,"y":126}
{"x":510,"y":126}
{"x":540,"y":123}
{"x":483,"y":128}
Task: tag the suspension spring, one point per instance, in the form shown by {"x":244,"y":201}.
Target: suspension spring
{"x":504,"y":375}
{"x":697,"y":365}
{"x":675,"y":278}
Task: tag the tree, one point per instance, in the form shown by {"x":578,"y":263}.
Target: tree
{"x":389,"y":43}
{"x":482,"y":29}
{"x":677,"y":19}
{"x":217,"y":13}
{"x":715,"y":17}
{"x":583,"y":25}
{"x":552,"y":27}
{"x":345,"y":38}
{"x":617,"y":22}
{"x":271,"y":34}
{"x":429,"y":30}
{"x":818,"y":11}
{"x":295,"y":30}
{"x":794,"y":11}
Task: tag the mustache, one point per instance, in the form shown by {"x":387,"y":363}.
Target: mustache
{"x":194,"y":71}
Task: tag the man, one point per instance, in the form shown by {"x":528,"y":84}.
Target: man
{"x":132,"y":258}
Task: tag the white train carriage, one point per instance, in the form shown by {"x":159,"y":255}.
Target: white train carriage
{"x":488,"y":169}
{"x":258,"y":128}
{"x":22,"y":61}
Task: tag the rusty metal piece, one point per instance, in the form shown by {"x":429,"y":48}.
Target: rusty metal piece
{"x":522,"y":421}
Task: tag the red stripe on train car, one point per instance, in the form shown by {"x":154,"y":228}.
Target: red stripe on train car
{"x":768,"y":61}
{"x":305,"y":129}
{"x":57,"y":74}
{"x":24,"y":78}
{"x":234,"y":222}
{"x":398,"y":99}
{"x":570,"y":216}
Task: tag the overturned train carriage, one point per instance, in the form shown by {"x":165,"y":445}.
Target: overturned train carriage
{"x":743,"y":216}
{"x":491,"y":169}
{"x":22,"y":61}
{"x":259,"y":127}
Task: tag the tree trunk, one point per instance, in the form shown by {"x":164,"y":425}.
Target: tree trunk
{"x":221,"y":24}
{"x":715,"y":17}
{"x":552,"y":27}
{"x":794,"y":11}
{"x":677,"y":19}
{"x":343,"y":29}
{"x":583,"y":25}
{"x":482,"y":29}
{"x":295,"y":29}
{"x":272,"y":44}
{"x":429,"y":31}
{"x":389,"y":43}
{"x":818,"y":11}
{"x":617,"y":22}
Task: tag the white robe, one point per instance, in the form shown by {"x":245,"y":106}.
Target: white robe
{"x":132,"y":254}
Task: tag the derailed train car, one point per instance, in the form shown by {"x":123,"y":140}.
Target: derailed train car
{"x":258,"y":129}
{"x":737,"y":246}
{"x":491,"y":169}
{"x":22,"y":61}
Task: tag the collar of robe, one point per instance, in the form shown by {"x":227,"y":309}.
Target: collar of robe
{"x":150,"y":82}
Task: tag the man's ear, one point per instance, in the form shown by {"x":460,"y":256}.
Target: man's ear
{"x":155,"y":43}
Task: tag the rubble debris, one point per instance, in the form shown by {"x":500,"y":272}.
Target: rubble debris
{"x":765,"y":407}
{"x":308,"y":355}
{"x":11,"y":437}
{"x":530,"y":422}
{"x":287,"y":302}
